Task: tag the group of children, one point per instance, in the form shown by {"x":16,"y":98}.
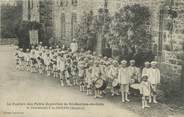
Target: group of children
{"x":85,"y":69}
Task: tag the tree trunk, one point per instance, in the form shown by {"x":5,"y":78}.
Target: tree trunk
{"x":99,"y":43}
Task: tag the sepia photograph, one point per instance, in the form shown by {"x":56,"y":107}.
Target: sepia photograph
{"x":91,"y":58}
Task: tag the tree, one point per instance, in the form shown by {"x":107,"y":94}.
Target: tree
{"x":10,"y":18}
{"x":126,"y":30}
{"x":129,"y":29}
{"x":130,"y":26}
{"x":86,"y":33}
{"x":102,"y":21}
{"x":22,"y":32}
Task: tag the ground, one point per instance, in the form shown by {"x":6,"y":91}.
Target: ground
{"x":20,"y":87}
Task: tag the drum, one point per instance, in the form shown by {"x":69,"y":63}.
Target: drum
{"x":42,"y":61}
{"x":135,"y":86}
{"x":132,"y":81}
{"x":33,"y":60}
{"x":100,"y":84}
{"x":115,"y":84}
{"x":21,"y":58}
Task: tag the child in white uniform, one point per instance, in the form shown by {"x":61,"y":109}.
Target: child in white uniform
{"x":114,"y":75}
{"x":88,"y":78}
{"x":27,"y":59}
{"x":145,"y":90}
{"x":81,"y":68}
{"x":61,"y":68}
{"x":146,"y":68}
{"x":154,"y":78}
{"x":124,"y":80}
{"x":47,"y":64}
{"x":74,"y":73}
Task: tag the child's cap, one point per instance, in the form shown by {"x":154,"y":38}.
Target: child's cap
{"x":123,"y":62}
{"x":115,"y":62}
{"x":144,"y":77}
{"x":105,"y":57}
{"x":132,"y":61}
{"x":101,"y":61}
{"x":153,"y":63}
{"x":96,"y":62}
{"x":147,"y":63}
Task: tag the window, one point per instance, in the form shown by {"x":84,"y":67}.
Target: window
{"x":74,"y":2}
{"x":31,"y":4}
{"x":63,"y":25}
{"x":73,"y":24}
{"x":29,"y":9}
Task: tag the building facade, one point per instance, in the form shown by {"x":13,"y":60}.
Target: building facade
{"x":31,"y":10}
{"x":65,"y":15}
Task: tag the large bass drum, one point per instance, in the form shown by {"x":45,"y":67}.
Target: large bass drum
{"x":33,"y":61}
{"x":100,"y":84}
{"x":115,"y":84}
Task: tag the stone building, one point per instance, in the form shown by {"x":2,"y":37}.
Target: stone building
{"x":61,"y":17}
{"x":66,"y":14}
{"x":31,"y":10}
{"x":173,"y":40}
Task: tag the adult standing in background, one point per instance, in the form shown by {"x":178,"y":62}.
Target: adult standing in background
{"x":74,"y":46}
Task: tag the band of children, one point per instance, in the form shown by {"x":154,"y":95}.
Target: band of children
{"x":94,"y":75}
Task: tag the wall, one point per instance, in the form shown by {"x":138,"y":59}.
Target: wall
{"x":172,"y":48}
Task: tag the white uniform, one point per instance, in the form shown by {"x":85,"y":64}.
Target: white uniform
{"x":37,"y":53}
{"x":89,"y":76}
{"x":103,"y":72}
{"x":134,"y":73}
{"x":61,"y":64}
{"x":123,"y":76}
{"x":124,"y":79}
{"x":145,"y":88}
{"x":81,"y":69}
{"x":74,"y":47}
{"x":21,"y":57}
{"x":113,"y":72}
{"x":107,"y":71}
{"x":40,"y":61}
{"x":95,"y":73}
{"x":27,"y":57}
{"x":145,"y":71}
{"x":154,"y":76}
{"x":47,"y":60}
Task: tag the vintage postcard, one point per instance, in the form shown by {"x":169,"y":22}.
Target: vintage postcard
{"x":91,"y":58}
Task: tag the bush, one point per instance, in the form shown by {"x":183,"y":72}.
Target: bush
{"x":22,"y":32}
{"x":10,"y":18}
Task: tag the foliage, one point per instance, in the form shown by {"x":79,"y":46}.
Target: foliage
{"x":10,"y":18}
{"x":130,"y":27}
{"x":22,"y":32}
{"x":130,"y":32}
{"x":91,"y":26}
{"x":86,"y":33}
